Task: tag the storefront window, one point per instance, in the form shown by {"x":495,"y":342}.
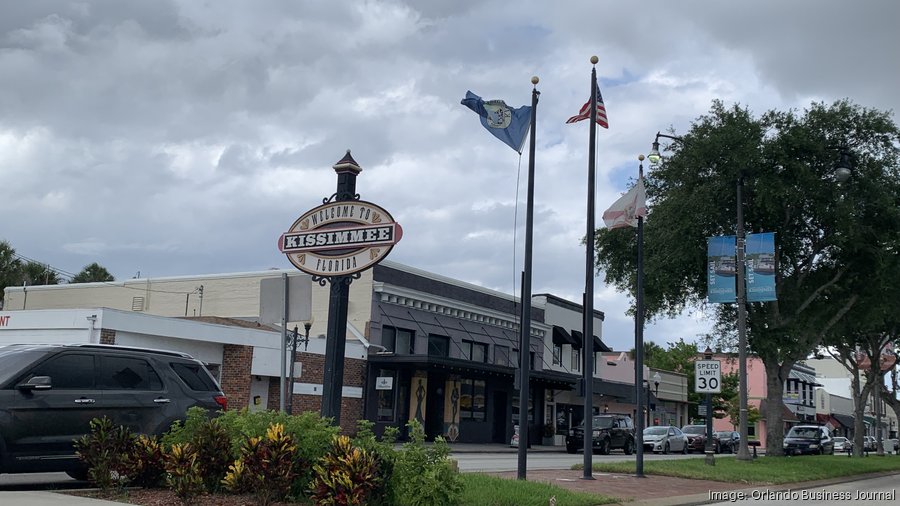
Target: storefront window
{"x":472,"y":400}
{"x":515,"y":410}
{"x":387,"y":398}
{"x":557,"y":354}
{"x":576,"y":359}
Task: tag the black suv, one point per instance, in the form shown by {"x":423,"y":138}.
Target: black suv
{"x":50,"y":393}
{"x":610,"y":431}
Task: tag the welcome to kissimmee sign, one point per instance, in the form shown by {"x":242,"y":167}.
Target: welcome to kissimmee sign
{"x":340,"y":238}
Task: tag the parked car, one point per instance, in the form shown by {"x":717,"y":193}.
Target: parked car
{"x":842,"y":444}
{"x":665,"y":439}
{"x":890,"y":445}
{"x":609,"y":431}
{"x":869,"y":444}
{"x":50,"y":393}
{"x":728,"y":440}
{"x":808,"y":439}
{"x":696,"y":435}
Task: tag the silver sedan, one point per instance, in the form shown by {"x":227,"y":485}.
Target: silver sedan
{"x":665,"y":439}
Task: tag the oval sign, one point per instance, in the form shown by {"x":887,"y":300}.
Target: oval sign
{"x":340,"y":238}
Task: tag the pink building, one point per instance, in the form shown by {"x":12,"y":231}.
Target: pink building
{"x":797,"y":396}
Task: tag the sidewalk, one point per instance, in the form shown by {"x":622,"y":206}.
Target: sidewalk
{"x":654,"y":490}
{"x":45,"y":498}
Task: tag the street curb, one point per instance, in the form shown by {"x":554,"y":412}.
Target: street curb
{"x":698,"y":499}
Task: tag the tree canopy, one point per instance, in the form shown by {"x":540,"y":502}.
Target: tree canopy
{"x":93,"y":273}
{"x":831,"y":237}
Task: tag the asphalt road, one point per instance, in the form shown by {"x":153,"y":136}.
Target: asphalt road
{"x":872,"y":491}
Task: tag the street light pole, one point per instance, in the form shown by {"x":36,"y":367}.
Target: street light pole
{"x":743,"y":453}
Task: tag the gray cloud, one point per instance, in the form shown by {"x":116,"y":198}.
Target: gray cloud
{"x":182,"y":138}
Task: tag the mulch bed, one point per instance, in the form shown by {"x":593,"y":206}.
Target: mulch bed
{"x":163,"y":497}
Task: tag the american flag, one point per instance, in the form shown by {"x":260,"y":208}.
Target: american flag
{"x":585,"y":112}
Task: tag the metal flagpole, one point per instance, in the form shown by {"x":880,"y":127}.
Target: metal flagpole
{"x":588,"y":345}
{"x":525,"y":327}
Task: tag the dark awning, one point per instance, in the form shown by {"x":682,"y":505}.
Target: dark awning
{"x":560,"y":336}
{"x":845,"y":420}
{"x":470,"y":368}
{"x":598,"y":344}
{"x":786,"y":414}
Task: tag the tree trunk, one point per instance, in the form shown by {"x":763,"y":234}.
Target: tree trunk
{"x":859,"y":408}
{"x":774,"y":414}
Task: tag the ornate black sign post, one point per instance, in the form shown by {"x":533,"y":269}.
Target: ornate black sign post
{"x":334,"y":243}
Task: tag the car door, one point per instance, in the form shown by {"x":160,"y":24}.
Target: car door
{"x":616,"y":434}
{"x":44,"y":422}
{"x":674,"y":444}
{"x":133,"y":393}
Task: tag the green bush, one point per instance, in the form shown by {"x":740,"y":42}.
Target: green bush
{"x":183,"y":472}
{"x":267,"y":466}
{"x":213,"y":445}
{"x":311,"y":434}
{"x":385,"y":452}
{"x":105,"y":451}
{"x":146,"y":465}
{"x":346,"y":476}
{"x":424,"y":476}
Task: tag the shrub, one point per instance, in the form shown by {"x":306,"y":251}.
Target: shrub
{"x":384,"y":451}
{"x":105,"y":451}
{"x":146,"y":464}
{"x":182,"y":432}
{"x":267,"y":466}
{"x":183,"y":472}
{"x":346,"y":476}
{"x":213,"y":446}
{"x":311,"y":434}
{"x":423,"y":476}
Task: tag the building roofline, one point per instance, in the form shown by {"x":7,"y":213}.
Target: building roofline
{"x":559,"y":301}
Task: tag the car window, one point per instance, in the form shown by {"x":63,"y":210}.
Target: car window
{"x":128,"y":373}
{"x":808,"y":432}
{"x":695,"y":429}
{"x":70,"y":371}
{"x":671,"y":432}
{"x":196,"y":377}
{"x":603,"y":422}
{"x":655,"y":431}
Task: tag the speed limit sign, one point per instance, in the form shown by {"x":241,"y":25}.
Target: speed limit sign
{"x":707,"y":377}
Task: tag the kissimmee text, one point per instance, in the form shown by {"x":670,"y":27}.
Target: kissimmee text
{"x":338,"y":238}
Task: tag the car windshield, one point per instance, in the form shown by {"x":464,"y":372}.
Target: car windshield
{"x":722,"y":434}
{"x":603,"y":422}
{"x":694,"y":429}
{"x":839,"y":439}
{"x":655,"y":431}
{"x":807,"y":432}
{"x":14,"y":358}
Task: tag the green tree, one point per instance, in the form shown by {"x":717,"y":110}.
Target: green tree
{"x":827,"y":234}
{"x":93,"y":273}
{"x":10,"y":268}
{"x":36,"y":273}
{"x":677,"y":357}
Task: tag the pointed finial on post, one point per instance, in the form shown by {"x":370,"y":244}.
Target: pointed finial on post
{"x":594,"y":60}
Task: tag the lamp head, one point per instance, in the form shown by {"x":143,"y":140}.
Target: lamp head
{"x":842,"y":169}
{"x":654,"y":156}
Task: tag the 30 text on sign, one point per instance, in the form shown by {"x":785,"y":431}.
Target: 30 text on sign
{"x":340,"y":238}
{"x":707,"y":377}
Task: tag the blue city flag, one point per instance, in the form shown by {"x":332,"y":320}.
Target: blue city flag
{"x":760,"y":259}
{"x":502,"y":121}
{"x":722,"y":269}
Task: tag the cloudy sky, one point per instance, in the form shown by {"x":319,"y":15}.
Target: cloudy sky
{"x":183,"y":137}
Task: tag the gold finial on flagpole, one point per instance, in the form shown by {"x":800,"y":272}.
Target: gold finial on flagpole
{"x":535,"y":80}
{"x":594,"y":60}
{"x":640,"y":158}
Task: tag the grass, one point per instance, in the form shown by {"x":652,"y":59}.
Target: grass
{"x":484,"y":490}
{"x":762,"y":471}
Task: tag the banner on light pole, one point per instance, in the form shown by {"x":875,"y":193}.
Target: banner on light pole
{"x":721,"y":269}
{"x":760,"y":260}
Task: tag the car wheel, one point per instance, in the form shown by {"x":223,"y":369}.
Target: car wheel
{"x":684,"y":449}
{"x":832,"y":451}
{"x":570,"y":449}
{"x":629,"y":447}
{"x":604,"y":447}
{"x":666,"y":448}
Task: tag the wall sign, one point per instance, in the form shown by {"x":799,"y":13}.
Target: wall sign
{"x":340,"y":238}
{"x":384,"y":383}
